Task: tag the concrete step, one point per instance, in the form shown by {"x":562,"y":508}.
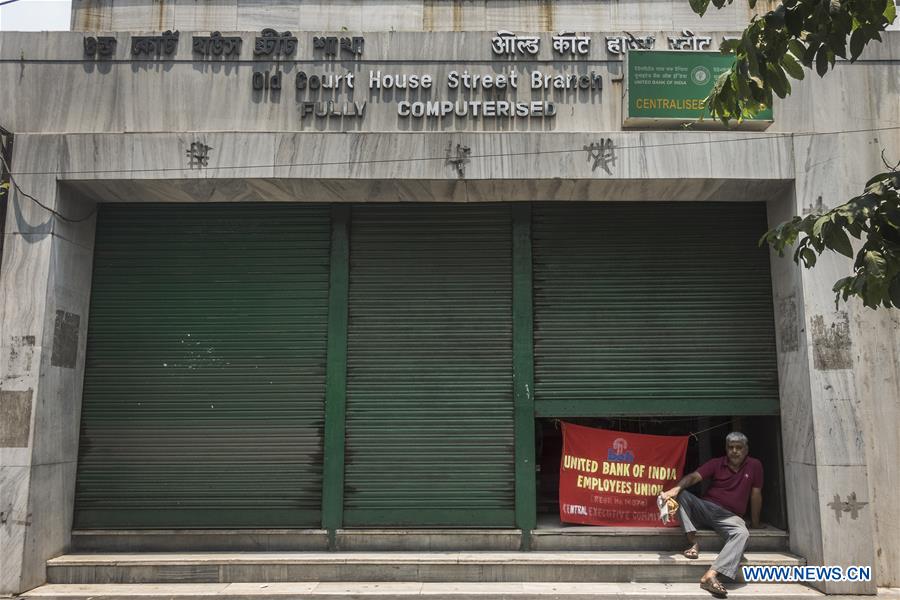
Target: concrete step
{"x":428,"y":591}
{"x":551,"y":538}
{"x":562,"y":538}
{"x":229,"y":567}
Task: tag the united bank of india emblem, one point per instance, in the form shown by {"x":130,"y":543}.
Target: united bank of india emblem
{"x":700,"y":75}
{"x":619,"y":452}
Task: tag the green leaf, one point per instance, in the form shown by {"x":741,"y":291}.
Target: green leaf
{"x":699,"y":6}
{"x":894,"y":291}
{"x":822,"y":61}
{"x":819,"y":224}
{"x":838,"y":241}
{"x":775,"y":18}
{"x":729,"y":46}
{"x":875,"y":264}
{"x":793,"y":21}
{"x":858,"y":40}
{"x":880,"y":177}
{"x":778,"y":80}
{"x":890,"y":11}
{"x":793,"y":68}
{"x":810,"y":55}
{"x":840,"y":284}
{"x":808,"y":257}
{"x":893,"y":216}
{"x":797,"y":49}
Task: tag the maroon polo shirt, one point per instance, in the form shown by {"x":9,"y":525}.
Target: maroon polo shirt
{"x":730,"y":489}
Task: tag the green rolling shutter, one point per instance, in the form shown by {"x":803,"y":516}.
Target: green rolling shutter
{"x":204,"y":384}
{"x":429,"y":437}
{"x":653,"y":309}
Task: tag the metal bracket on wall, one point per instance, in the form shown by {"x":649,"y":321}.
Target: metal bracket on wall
{"x":198,"y":154}
{"x":603,"y":154}
{"x":460,"y":158}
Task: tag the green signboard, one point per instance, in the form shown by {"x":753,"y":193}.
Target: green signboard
{"x":669,"y":88}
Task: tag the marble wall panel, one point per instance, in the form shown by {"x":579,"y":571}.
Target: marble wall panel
{"x":457,"y":15}
{"x":255,"y":15}
{"x":519,"y":16}
{"x":878,"y":391}
{"x":635,"y":156}
{"x":238,"y":155}
{"x":17,"y":407}
{"x":391,"y":15}
{"x":294,"y":151}
{"x":97,"y":157}
{"x":24,"y":277}
{"x":14,"y":483}
{"x":838,"y":424}
{"x":140,"y":15}
{"x":585,"y":16}
{"x":394,"y":15}
{"x":24,"y":216}
{"x":51,"y":503}
{"x":211,"y":15}
{"x":847,"y":523}
{"x":58,"y":399}
{"x":92,"y":15}
{"x":83,"y":211}
{"x":343,"y":15}
{"x":803,"y":505}
{"x":34,"y":166}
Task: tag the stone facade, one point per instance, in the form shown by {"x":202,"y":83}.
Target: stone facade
{"x":89,"y":131}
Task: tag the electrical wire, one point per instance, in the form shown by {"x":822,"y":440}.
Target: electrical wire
{"x":38,"y":202}
{"x":5,"y":2}
{"x":748,"y":138}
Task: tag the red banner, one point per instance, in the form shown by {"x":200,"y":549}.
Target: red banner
{"x":613,"y":478}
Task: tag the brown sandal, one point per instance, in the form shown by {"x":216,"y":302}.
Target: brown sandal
{"x":692,"y":553}
{"x":715,"y":588}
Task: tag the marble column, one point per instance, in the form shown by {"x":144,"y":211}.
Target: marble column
{"x":830,"y":510}
{"x":45,"y":281}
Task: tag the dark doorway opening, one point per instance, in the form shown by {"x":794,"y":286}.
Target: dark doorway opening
{"x":708,"y":441}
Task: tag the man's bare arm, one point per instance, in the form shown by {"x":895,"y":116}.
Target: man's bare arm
{"x":755,"y":507}
{"x":686,"y":482}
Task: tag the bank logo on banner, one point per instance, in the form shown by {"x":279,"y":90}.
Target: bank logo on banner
{"x":613,"y":478}
{"x":618,"y":452}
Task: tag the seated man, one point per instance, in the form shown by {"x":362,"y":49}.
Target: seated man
{"x":734,"y":478}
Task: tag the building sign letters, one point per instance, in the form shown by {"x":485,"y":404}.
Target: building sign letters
{"x":100,"y":46}
{"x":474,"y":94}
{"x":155,"y":45}
{"x":217,"y":45}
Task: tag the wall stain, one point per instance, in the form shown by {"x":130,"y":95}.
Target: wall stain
{"x":65,"y":340}
{"x":428,"y":15}
{"x":831,"y":344}
{"x":15,"y":418}
{"x":162,"y":8}
{"x":545,"y":8}
{"x":21,"y":353}
{"x":788,"y":324}
{"x":457,"y":15}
